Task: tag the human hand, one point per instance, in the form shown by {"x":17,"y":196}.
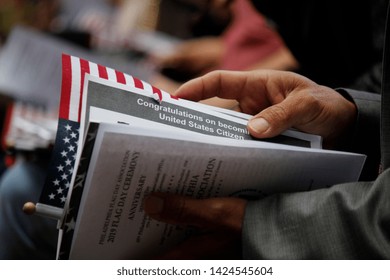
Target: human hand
{"x":218,"y":221}
{"x":278,"y":100}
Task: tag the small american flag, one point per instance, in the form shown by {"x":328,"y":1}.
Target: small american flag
{"x":61,"y":168}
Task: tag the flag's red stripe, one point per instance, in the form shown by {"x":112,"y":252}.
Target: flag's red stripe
{"x":120,"y":77}
{"x":6,"y":124}
{"x":84,"y":68}
{"x":65,"y":87}
{"x":158,"y":92}
{"x":102,"y":72}
{"x":138,"y":83}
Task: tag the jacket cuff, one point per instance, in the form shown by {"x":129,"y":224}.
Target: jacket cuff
{"x":365,"y":137}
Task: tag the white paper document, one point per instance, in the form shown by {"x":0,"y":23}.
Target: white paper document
{"x":128,"y":162}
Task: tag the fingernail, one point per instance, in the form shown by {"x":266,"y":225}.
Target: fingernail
{"x":259,"y":125}
{"x":154,"y":204}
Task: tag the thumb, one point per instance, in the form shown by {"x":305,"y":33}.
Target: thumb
{"x":271,"y":122}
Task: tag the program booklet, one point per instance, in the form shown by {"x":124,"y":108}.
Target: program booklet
{"x":119,"y":138}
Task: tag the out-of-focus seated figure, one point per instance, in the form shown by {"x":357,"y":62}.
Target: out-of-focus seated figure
{"x":248,"y":42}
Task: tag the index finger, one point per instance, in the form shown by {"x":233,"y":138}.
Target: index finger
{"x":224,"y":84}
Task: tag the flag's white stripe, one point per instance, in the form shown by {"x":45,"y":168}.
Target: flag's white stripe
{"x":75,"y":89}
{"x":147,"y":87}
{"x":129,"y":80}
{"x":111,"y":74}
{"x":165,"y":95}
{"x":93,"y":69}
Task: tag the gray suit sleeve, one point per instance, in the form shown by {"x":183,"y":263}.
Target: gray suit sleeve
{"x":347,"y":221}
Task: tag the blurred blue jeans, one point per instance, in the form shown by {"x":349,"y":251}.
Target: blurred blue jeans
{"x":23,"y":236}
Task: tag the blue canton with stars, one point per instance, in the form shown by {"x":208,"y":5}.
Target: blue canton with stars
{"x":61,"y":167}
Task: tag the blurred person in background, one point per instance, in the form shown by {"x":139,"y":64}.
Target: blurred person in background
{"x":308,"y":30}
{"x":246,"y":41}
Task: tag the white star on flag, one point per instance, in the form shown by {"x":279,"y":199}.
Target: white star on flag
{"x":64,"y":164}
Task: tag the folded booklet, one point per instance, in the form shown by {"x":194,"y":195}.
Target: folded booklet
{"x":119,"y":139}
